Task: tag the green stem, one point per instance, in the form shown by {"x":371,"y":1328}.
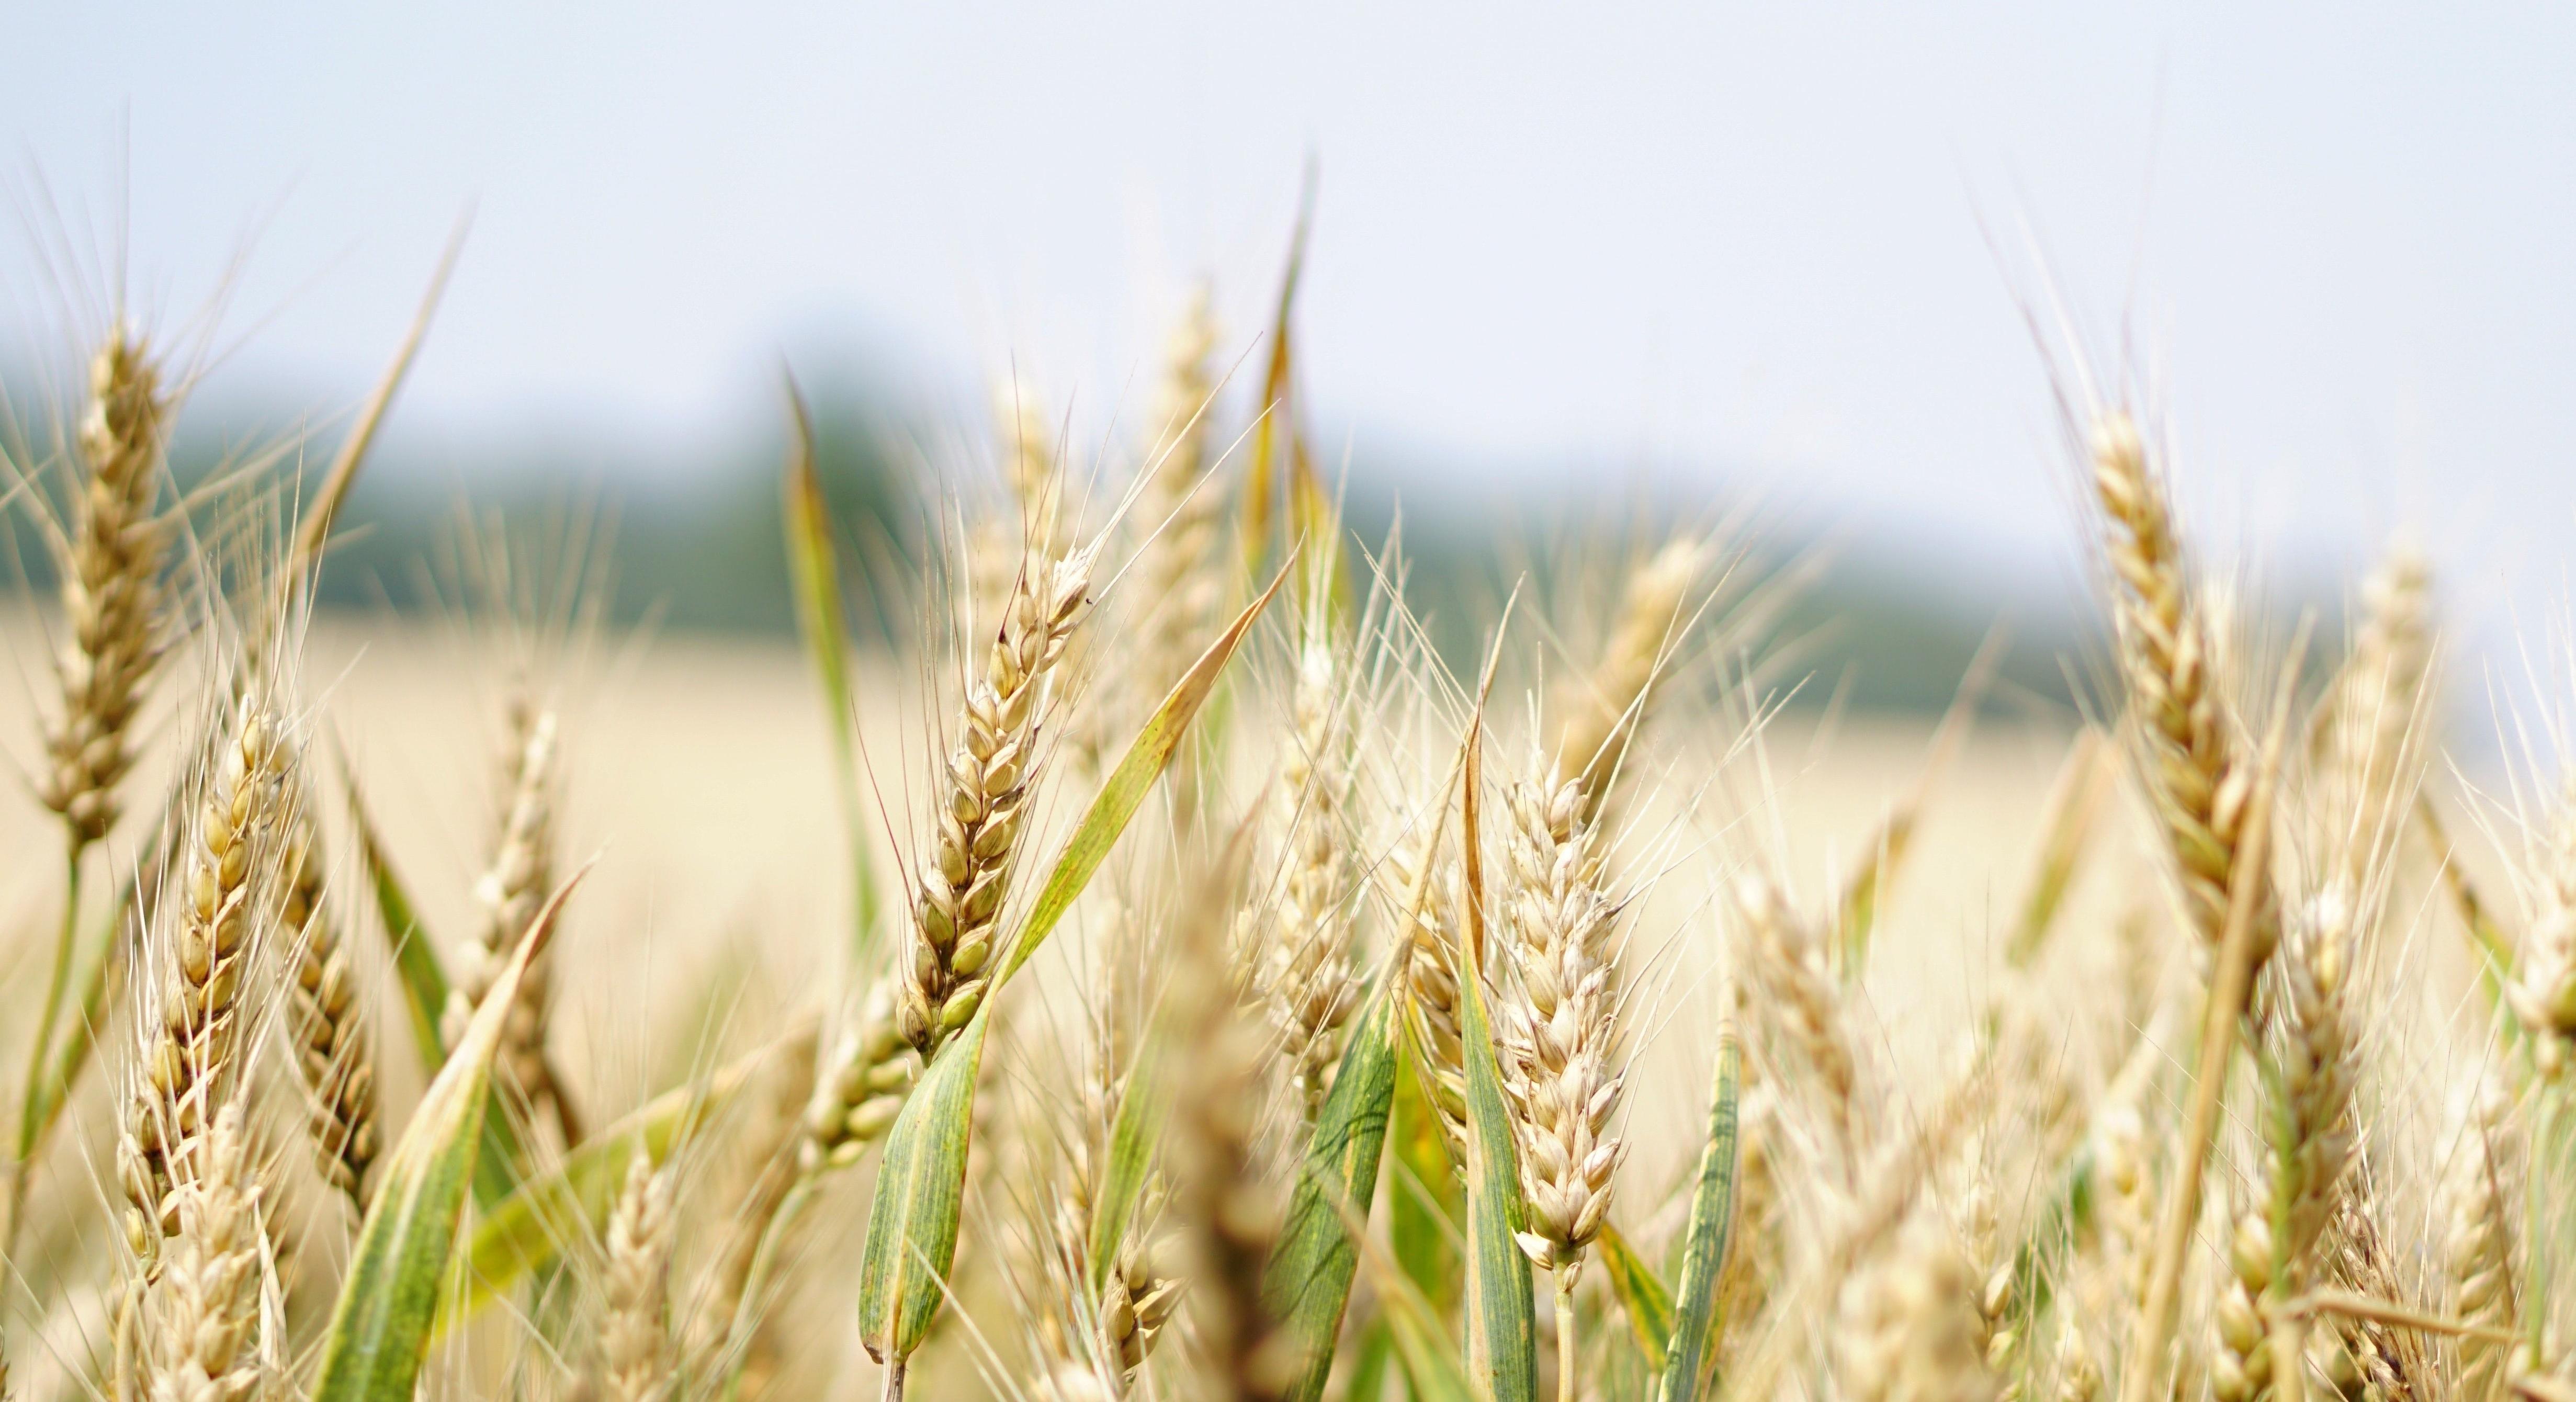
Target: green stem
{"x":31,"y":1105}
{"x":1565,"y":1332}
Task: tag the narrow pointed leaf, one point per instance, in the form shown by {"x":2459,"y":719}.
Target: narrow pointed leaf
{"x":1688,"y":1362}
{"x":1641,"y":1294}
{"x":523,"y":1234}
{"x":1132,"y":1137}
{"x":921,"y":1187}
{"x":380,"y":1325}
{"x":817,"y":577}
{"x":1124,"y":791}
{"x":1502,"y":1309}
{"x":425,"y":990}
{"x":1307,"y":1286}
{"x":424,"y":981}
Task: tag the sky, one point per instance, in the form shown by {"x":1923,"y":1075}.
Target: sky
{"x":1787,"y":250}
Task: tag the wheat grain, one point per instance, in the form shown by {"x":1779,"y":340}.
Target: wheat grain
{"x":861,"y":1090}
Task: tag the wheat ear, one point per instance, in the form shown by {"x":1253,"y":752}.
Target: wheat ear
{"x":635,"y":1334}
{"x":113,"y":593}
{"x":513,"y":886}
{"x":2194,"y":768}
{"x":1429,"y":965}
{"x":332,"y":1051}
{"x":1559,"y":1035}
{"x":984,"y":798}
{"x":2542,"y":994}
{"x":2478,"y":1193}
{"x":1176,"y":566}
{"x":860,"y":1091}
{"x":1911,"y":1326}
{"x":1786,"y":989}
{"x":194,"y":1030}
{"x":1605,"y":710}
{"x":1307,"y":975}
{"x":203,"y":1312}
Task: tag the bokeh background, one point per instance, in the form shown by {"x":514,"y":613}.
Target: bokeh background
{"x":1641,"y":258}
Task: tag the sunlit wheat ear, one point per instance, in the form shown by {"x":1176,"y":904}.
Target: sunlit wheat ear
{"x":1786,"y":991}
{"x":635,"y":1328}
{"x":2193,"y":764}
{"x":1909,"y":1325}
{"x":325,"y":1021}
{"x":202,"y":1314}
{"x":859,"y":1091}
{"x":515,"y":883}
{"x":983,"y":798}
{"x":1306,"y":973}
{"x":114,"y":596}
{"x":1179,"y":581}
{"x":2379,"y":708}
{"x":1604,"y":710}
{"x":213,"y":921}
{"x":1424,"y":916}
{"x":1559,"y":1034}
{"x":2478,"y":1192}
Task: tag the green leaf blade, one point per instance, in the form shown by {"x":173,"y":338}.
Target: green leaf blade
{"x":1641,"y":1294}
{"x":920,"y":1192}
{"x":1696,"y":1321}
{"x":380,"y":1325}
{"x":1307,"y":1286}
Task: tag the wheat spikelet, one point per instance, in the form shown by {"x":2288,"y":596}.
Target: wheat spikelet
{"x":514,"y":884}
{"x":203,"y":1310}
{"x":113,"y":593}
{"x":861,"y":1090}
{"x":984,"y":798}
{"x":222,"y":909}
{"x":1307,"y":978}
{"x":2194,"y":768}
{"x":326,"y":1024}
{"x":1604,"y":711}
{"x":1558,"y":1034}
{"x":635,"y":1335}
{"x":2478,"y":1194}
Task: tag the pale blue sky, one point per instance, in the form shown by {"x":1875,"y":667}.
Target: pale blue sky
{"x":1720,"y":236}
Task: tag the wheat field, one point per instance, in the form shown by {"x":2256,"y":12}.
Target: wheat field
{"x":1167,"y":975}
